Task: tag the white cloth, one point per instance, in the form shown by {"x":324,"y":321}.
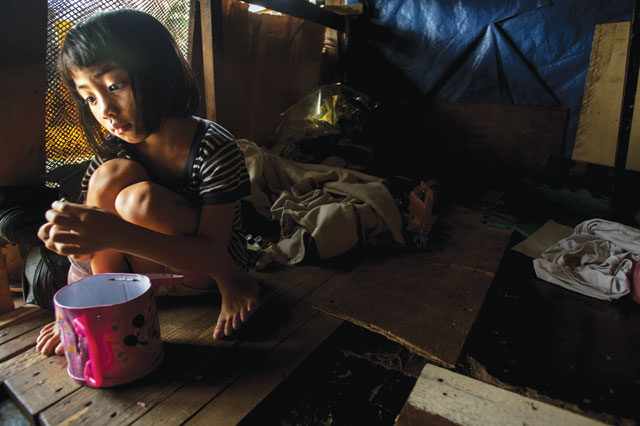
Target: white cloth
{"x":337,"y":208}
{"x":597,"y":260}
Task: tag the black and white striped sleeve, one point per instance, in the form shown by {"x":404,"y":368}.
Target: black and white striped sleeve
{"x":223,"y":174}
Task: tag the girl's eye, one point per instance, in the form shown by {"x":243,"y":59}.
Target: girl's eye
{"x":90,"y":100}
{"x":116,"y":86}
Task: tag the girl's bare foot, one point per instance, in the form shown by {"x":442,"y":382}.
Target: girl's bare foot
{"x":49,"y":340}
{"x":239,"y":302}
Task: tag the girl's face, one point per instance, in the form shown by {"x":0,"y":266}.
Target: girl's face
{"x":106,"y":89}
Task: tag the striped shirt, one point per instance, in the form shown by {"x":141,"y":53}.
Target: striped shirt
{"x":215,"y":173}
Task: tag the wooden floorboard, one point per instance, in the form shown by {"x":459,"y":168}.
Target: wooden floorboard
{"x":25,"y":325}
{"x":124,"y":404}
{"x":20,"y":362}
{"x":270,"y":331}
{"x":18,"y":314}
{"x":40,"y":385}
{"x":196,"y":369}
{"x":18,"y":332}
{"x":262,"y":338}
{"x":426,"y":300}
{"x":244,"y":395}
{"x":18,"y":345}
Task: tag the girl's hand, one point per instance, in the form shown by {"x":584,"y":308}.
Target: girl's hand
{"x":76,"y":230}
{"x":43,"y":234}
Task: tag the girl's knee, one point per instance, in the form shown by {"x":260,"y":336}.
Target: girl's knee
{"x":133,"y":203}
{"x":113,"y":176}
{"x":156,"y":207}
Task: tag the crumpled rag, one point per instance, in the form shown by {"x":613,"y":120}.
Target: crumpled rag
{"x":339,"y":209}
{"x":597,"y":260}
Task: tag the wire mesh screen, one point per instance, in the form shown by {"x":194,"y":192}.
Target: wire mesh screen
{"x":65,"y":142}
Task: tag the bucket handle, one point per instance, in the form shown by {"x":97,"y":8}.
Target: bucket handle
{"x":165,"y":279}
{"x":92,"y":368}
{"x":156,"y":280}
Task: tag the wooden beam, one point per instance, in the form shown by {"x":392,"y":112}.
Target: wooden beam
{"x":305,"y":10}
{"x":446,"y":398}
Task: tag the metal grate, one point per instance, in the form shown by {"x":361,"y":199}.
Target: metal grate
{"x":65,"y":142}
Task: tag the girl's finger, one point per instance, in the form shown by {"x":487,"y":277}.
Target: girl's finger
{"x":71,"y":250}
{"x":65,"y":237}
{"x":50,"y":245}
{"x":60,"y":219}
{"x":81,"y":257}
{"x":68,"y":208}
{"x":43,"y":232}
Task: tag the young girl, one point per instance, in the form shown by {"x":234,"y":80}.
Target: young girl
{"x":162,"y":194}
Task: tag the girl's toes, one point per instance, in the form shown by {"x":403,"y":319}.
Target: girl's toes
{"x":59,"y":349}
{"x":237,"y":320}
{"x":218,"y":333}
{"x":228,"y":328}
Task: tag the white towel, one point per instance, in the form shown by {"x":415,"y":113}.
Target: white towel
{"x":597,"y":260}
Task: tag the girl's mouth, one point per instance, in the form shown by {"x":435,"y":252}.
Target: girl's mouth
{"x":119,"y":129}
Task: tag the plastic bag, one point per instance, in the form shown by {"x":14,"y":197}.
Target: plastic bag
{"x":330,"y":110}
{"x":327,"y":123}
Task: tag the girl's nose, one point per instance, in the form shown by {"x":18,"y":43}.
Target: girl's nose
{"x":109,"y":107}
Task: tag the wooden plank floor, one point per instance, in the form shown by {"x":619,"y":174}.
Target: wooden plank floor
{"x":200,"y":381}
{"x":548,"y":343}
{"x":203,"y":381}
{"x":427,"y":301}
{"x":555,"y":345}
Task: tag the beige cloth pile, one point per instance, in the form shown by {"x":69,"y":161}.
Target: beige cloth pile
{"x":338,"y":209}
{"x":596,"y":260}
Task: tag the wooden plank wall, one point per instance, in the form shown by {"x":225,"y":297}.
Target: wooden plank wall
{"x":597,"y":134}
{"x":23,"y":26}
{"x":268,"y":63}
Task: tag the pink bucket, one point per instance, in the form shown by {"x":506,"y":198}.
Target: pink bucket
{"x":109,"y":327}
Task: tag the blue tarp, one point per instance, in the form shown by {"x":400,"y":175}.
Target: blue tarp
{"x":524,"y":52}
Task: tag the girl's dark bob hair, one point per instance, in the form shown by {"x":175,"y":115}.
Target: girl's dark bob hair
{"x":162,"y":81}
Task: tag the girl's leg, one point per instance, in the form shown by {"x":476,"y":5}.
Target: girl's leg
{"x":106,"y":183}
{"x":155,"y":207}
{"x":160,"y":209}
{"x":122,"y":186}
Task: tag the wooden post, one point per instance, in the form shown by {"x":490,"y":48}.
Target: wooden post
{"x":211,"y":30}
{"x":23,"y":31}
{"x":621,"y":195}
{"x":6,"y":301}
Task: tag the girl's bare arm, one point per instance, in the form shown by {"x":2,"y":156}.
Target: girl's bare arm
{"x":74,"y":229}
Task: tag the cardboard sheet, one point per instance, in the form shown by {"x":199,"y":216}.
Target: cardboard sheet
{"x":427,"y":301}
{"x":549,"y":234}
